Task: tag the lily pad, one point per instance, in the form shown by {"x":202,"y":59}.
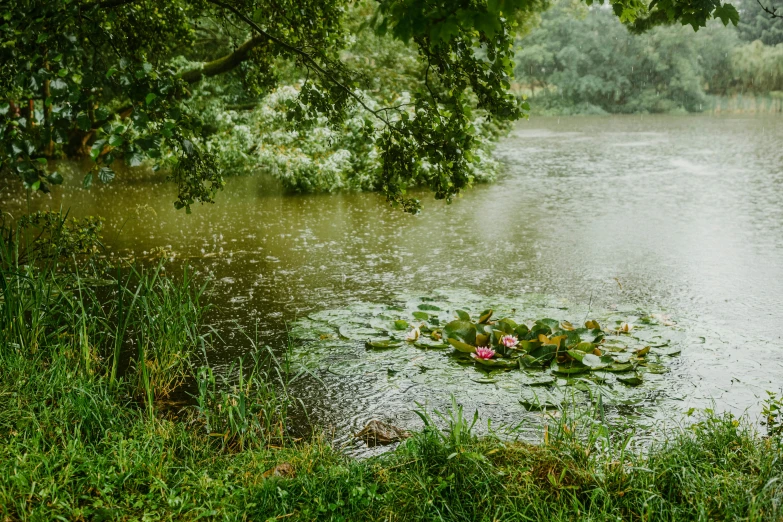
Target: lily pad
{"x":540,"y":398}
{"x":425,"y":306}
{"x":496,"y":363}
{"x":401,"y":324}
{"x":383,"y":345}
{"x":634,"y":380}
{"x":570,"y":368}
{"x":421,"y":316}
{"x":461,"y":347}
{"x":595,"y":362}
{"x":463,"y":315}
{"x":357,"y":333}
{"x":539,"y":379}
{"x":461,"y":330}
{"x":429,"y":344}
{"x":619,"y":367}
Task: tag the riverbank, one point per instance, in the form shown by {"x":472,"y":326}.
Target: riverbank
{"x":770,"y":104}
{"x":81,"y":441}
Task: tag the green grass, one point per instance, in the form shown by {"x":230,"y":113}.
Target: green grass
{"x":72,"y":449}
{"x":81,"y":440}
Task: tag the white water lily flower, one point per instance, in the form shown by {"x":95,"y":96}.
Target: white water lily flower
{"x":413,"y":335}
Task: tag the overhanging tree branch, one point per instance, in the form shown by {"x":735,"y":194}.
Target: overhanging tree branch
{"x":224,"y":64}
{"x":773,"y":13}
{"x":309,"y":60}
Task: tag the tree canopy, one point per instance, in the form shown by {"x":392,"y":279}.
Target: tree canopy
{"x":118,"y":79}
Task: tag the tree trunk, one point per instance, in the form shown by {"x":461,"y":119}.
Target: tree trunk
{"x":49,"y":148}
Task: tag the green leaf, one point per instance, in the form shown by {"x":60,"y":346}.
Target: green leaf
{"x":95,"y":150}
{"x":87,"y":182}
{"x":461,"y":330}
{"x":421,"y":316}
{"x":463,"y":315}
{"x":83,"y":121}
{"x":101,"y":113}
{"x":497,"y":363}
{"x":106,"y":174}
{"x":570,"y":368}
{"x":150,"y":98}
{"x":401,"y":324}
{"x":55,"y":178}
{"x":727,"y":13}
{"x":633,"y":380}
{"x":485,"y":316}
{"x":461,"y":347}
{"x":383,"y":345}
{"x":595,"y":362}
{"x":116,"y":140}
{"x":134,"y":159}
{"x":426,"y":306}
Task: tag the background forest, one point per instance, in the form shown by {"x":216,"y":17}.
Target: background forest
{"x":581,"y":60}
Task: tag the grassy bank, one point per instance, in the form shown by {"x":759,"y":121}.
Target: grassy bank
{"x":87,"y":432}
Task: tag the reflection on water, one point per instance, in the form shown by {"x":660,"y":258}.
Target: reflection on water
{"x":680,"y":214}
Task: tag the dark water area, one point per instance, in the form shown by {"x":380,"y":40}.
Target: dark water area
{"x":681,"y":215}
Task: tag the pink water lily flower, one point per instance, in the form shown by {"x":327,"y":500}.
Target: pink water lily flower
{"x":484,"y":352}
{"x":509,"y":341}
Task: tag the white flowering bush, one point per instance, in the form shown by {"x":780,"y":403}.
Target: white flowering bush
{"x":315,"y":157}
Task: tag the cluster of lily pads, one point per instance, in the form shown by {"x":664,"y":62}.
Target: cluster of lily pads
{"x":503,"y":344}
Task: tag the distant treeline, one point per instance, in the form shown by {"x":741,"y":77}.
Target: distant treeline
{"x":582,"y":60}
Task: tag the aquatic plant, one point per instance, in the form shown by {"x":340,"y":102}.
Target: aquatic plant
{"x":484,"y":352}
{"x":509,"y":341}
{"x":413,"y":335}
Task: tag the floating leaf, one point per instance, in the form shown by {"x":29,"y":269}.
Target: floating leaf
{"x":595,"y":362}
{"x":461,"y":347}
{"x":496,"y":363}
{"x":421,"y":316}
{"x":644,"y":351}
{"x":507,"y":325}
{"x":485,"y":315}
{"x":463,"y":315}
{"x":462,"y":330}
{"x":528,"y":346}
{"x":353,"y":332}
{"x":521,"y":330}
{"x":619,"y":367}
{"x":634,"y":380}
{"x":427,"y":344}
{"x":383,"y":345}
{"x":552,"y":324}
{"x":540,"y":379}
{"x":570,"y":368}
{"x":401,"y":324}
{"x":425,"y":306}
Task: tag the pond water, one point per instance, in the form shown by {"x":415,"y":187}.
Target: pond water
{"x":609,"y":216}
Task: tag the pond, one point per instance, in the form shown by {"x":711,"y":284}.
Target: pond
{"x":606,"y":217}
